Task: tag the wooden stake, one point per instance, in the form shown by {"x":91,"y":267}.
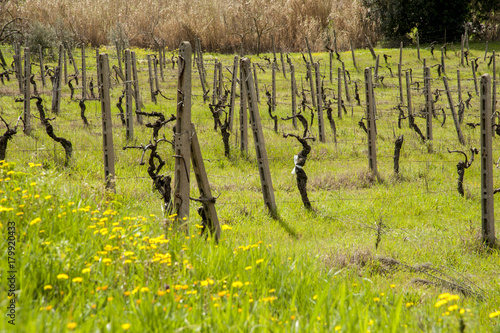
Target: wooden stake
{"x":293,"y":84}
{"x":453,"y":113}
{"x":371,"y":47}
{"x":370,"y":119}
{"x":243,"y":113}
{"x":377,"y":61}
{"x":84,"y":74}
{"x":346,"y":86}
{"x":321,"y":124}
{"x":418,"y":46}
{"x":353,"y":57}
{"x":151,"y":83}
{"x":232,"y":99}
{"x":443,"y":67}
{"x":56,"y":89}
{"x":475,"y":78}
{"x":428,"y":106}
{"x":273,"y":88}
{"x":42,"y":67}
{"x":128,"y":96}
{"x":137,"y":93}
{"x":282,"y":64}
{"x":204,"y":186}
{"x":182,"y":133}
{"x":487,"y":200}
{"x":27,"y":92}
{"x":311,"y":85}
{"x":408,"y":97}
{"x":107,"y":123}
{"x":256,"y":80}
{"x":258,"y":138}
{"x":339,"y":93}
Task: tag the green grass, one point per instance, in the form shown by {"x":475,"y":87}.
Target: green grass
{"x":313,"y":270}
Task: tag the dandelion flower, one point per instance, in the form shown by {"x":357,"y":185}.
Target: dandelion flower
{"x":62,"y":276}
{"x":35,"y":221}
{"x":86,"y":270}
{"x":47,"y":287}
{"x":71,"y":325}
{"x":494,"y":314}
{"x":258,"y":261}
{"x":337,"y":328}
{"x":225,"y":227}
{"x":77,"y":279}
{"x":125,"y":326}
{"x":440,"y":303}
{"x":376,"y":299}
{"x":237,"y":284}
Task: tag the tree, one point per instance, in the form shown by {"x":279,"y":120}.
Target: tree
{"x":433,"y":19}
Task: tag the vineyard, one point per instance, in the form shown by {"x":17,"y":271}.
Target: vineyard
{"x":344,"y":191}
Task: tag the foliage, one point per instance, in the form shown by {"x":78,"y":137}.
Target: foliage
{"x":433,"y":18}
{"x":42,"y":35}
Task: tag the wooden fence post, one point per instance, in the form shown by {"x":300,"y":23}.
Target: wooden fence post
{"x":330,"y":57}
{"x":400,"y":65}
{"x":346,"y":86}
{"x":487,"y":202}
{"x":370,"y":120}
{"x":107,"y":123}
{"x":372,"y":51}
{"x":137,"y":93}
{"x":377,"y":62}
{"x":56,"y":89}
{"x":293,"y":85}
{"x":232,"y":99}
{"x":128,"y":96}
{"x":353,"y":57}
{"x":459,"y":87}
{"x":321,"y":124}
{"x":283,"y":64}
{"x":256,"y":80}
{"x":155,"y":70}
{"x":273,"y":87}
{"x":183,"y":132}
{"x":42,"y":68}
{"x":160,"y":57}
{"x":485,"y":51}
{"x":339,"y":93}
{"x":18,"y":66}
{"x":204,"y":186}
{"x":70,"y":56}
{"x":494,"y":88}
{"x":151,"y":83}
{"x":475,"y":77}
{"x":214,"y":85}
{"x":27,"y":91}
{"x":220,"y":83}
{"x":462,"y":50}
{"x":453,"y":113}
{"x":65,"y":64}
{"x":443,"y":67}
{"x":311,"y":84}
{"x":243,"y":113}
{"x":258,"y":138}
{"x":84,"y":74}
{"x":408,"y":97}
{"x":418,"y":46}
{"x":428,"y":107}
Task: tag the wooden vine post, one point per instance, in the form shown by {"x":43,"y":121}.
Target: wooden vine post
{"x":27,"y":92}
{"x":370,"y":120}
{"x":400,"y":67}
{"x":408,"y":97}
{"x":346,"y":84}
{"x":182,"y":133}
{"x":321,"y":124}
{"x":353,"y":57}
{"x":84,"y":74}
{"x":42,"y":68}
{"x":474,"y":77}
{"x":487,"y":202}
{"x":494,"y":88}
{"x":187,"y":149}
{"x":293,"y":85}
{"x":128,"y":96}
{"x":339,"y":93}
{"x":107,"y":123}
{"x":428,"y":107}
{"x":232,"y":98}
{"x":258,"y":136}
{"x":137,"y":94}
{"x":453,"y":113}
{"x":256,"y":80}
{"x":56,"y":89}
{"x":243,"y":113}
{"x":151,"y":79}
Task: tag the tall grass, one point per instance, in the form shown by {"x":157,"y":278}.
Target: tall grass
{"x":224,"y":26}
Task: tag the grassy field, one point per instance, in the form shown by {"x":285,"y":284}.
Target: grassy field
{"x":402,"y":254}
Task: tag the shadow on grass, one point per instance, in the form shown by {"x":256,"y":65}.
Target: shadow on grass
{"x":276,"y":216}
